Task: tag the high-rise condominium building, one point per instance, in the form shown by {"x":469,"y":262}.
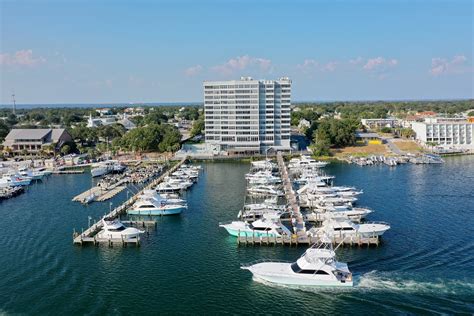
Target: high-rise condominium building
{"x":247,"y":115}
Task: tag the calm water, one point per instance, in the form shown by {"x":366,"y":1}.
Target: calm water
{"x":189,"y":265}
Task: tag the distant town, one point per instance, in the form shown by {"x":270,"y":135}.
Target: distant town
{"x":240,"y":118}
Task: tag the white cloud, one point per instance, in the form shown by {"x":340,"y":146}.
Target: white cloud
{"x":21,"y":58}
{"x":440,"y":66}
{"x":379,"y":66}
{"x":357,"y":61}
{"x":330,"y":66}
{"x":193,"y":70}
{"x":379,"y":63}
{"x":311,"y":65}
{"x":243,"y":63}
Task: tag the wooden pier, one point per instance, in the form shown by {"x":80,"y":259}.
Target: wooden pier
{"x":102,"y":194}
{"x":72,"y":171}
{"x":89,"y":235}
{"x":297,"y":217}
{"x":305,"y":241}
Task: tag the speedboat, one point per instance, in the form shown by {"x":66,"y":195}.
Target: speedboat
{"x":88,"y":199}
{"x":153,"y":207}
{"x":258,"y":228}
{"x":317,"y":267}
{"x":343,"y":227}
{"x":114,"y":229}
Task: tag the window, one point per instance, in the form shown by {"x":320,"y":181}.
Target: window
{"x":297,"y":269}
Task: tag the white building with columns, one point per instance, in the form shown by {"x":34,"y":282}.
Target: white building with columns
{"x":447,"y":133}
{"x":247,"y":115}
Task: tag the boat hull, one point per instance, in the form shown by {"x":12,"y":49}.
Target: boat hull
{"x":247,"y":233}
{"x":156,"y":212}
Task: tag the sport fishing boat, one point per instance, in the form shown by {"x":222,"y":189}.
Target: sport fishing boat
{"x":343,"y":227}
{"x":258,"y":228}
{"x":153,"y":207}
{"x":114,"y":229}
{"x":317,"y":267}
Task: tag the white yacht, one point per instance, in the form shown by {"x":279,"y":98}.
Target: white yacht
{"x":102,"y":168}
{"x":168,"y":199}
{"x":153,"y":207}
{"x":258,"y":228}
{"x":317,"y":267}
{"x":263,"y":164}
{"x":114,"y":229}
{"x":9,"y":180}
{"x":33,"y":174}
{"x":343,"y":227}
{"x":328,"y":212}
{"x":305,"y":162}
{"x":165,"y":187}
{"x":264,"y":190}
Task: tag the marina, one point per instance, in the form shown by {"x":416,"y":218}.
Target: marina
{"x":415,"y":262}
{"x":329,"y":212}
{"x":143,"y":201}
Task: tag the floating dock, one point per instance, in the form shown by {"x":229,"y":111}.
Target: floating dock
{"x":102,"y":194}
{"x":89,"y":235}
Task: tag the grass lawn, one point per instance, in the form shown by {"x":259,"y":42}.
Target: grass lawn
{"x":407,"y":145}
{"x":360,"y":150}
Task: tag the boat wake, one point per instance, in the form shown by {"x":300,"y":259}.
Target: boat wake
{"x":398,"y":282}
{"x":389,"y":282}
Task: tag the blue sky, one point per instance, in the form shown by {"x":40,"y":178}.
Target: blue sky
{"x":161,"y":51}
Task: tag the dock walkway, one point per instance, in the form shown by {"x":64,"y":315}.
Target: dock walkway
{"x":88,"y":236}
{"x":305,"y":241}
{"x":298,"y":222}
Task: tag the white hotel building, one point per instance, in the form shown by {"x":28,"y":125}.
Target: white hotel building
{"x":247,"y":115}
{"x":447,"y":133}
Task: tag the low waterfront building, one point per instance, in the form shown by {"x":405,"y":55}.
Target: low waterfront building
{"x":369,"y":138}
{"x":247,"y":116}
{"x":380,"y":123}
{"x":33,"y":140}
{"x":446,"y":133}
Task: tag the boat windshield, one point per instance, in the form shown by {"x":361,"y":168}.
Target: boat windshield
{"x":117,"y":229}
{"x":296,"y":269}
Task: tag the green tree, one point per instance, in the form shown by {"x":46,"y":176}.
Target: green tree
{"x":198,"y":127}
{"x":66,"y":149}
